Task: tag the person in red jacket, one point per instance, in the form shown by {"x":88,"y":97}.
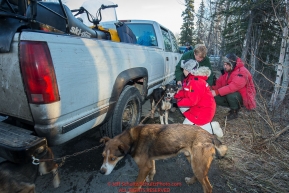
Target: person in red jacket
{"x":195,"y":99}
{"x":235,"y":87}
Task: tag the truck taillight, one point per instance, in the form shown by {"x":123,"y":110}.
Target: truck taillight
{"x":38,"y":72}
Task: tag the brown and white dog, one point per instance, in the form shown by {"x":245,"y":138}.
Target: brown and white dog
{"x":21,"y":177}
{"x":147,"y":143}
{"x":167,"y":92}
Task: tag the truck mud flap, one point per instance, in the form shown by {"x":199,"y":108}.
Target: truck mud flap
{"x":17,"y":144}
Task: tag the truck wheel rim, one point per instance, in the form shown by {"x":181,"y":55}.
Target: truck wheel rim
{"x":129,"y":115}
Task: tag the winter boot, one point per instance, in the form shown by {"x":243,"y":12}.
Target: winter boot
{"x":228,"y":113}
{"x":232,"y":110}
{"x":233,"y":114}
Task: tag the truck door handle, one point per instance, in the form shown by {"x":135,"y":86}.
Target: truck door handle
{"x":167,"y":58}
{"x":176,"y":58}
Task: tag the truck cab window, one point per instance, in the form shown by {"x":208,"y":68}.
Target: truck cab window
{"x":167,"y":40}
{"x":174,"y":43}
{"x":145,"y":34}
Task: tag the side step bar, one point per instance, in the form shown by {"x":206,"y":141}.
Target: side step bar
{"x":17,"y":144}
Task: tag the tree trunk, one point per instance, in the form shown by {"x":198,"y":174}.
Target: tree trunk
{"x":247,"y":38}
{"x":272,"y":104}
{"x":253,"y":57}
{"x":222,"y":38}
{"x":285,"y":80}
{"x":211,"y":31}
{"x":255,"y":49}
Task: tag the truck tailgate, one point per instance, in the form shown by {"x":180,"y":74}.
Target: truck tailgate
{"x":13,"y":100}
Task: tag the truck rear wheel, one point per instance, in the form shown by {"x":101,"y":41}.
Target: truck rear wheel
{"x":127,"y":112}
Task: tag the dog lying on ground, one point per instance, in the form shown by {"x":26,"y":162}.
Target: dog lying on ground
{"x":20,"y":178}
{"x":147,"y":143}
{"x":167,"y":92}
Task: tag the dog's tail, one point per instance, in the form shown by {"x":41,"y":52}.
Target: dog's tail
{"x":221,"y":149}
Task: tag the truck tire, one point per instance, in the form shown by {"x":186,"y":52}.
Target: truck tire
{"x":126,"y":114}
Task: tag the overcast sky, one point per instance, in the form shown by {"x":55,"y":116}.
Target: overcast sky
{"x":166,"y":12}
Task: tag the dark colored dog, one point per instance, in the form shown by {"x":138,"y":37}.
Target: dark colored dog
{"x":147,"y":143}
{"x":20,"y":178}
{"x":167,"y":93}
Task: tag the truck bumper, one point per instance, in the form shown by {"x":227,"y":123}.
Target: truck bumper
{"x":19,"y":145}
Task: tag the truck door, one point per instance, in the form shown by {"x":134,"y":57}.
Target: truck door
{"x":169,"y":57}
{"x":175,"y":53}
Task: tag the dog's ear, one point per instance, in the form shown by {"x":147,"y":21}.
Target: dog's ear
{"x":167,"y":86}
{"x":176,"y":88}
{"x":123,"y":148}
{"x":104,"y":140}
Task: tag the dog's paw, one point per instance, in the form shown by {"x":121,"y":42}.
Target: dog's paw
{"x":148,"y":178}
{"x":190,"y":180}
{"x":56,"y":183}
{"x":56,"y":179}
{"x":187,"y":179}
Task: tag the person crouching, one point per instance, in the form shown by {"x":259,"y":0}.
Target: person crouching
{"x":195,"y":99}
{"x":235,"y":88}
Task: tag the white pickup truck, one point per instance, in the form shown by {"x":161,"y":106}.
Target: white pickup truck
{"x":60,"y":78}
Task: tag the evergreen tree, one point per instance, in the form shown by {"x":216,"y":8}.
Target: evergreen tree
{"x":264,"y":24}
{"x":187,"y":28}
{"x":254,"y":32}
{"x":200,"y":31}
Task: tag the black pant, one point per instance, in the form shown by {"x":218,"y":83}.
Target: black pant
{"x":233,"y":100}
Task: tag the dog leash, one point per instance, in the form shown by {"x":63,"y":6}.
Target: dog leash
{"x":212,"y":128}
{"x":152,"y":109}
{"x":36,"y":161}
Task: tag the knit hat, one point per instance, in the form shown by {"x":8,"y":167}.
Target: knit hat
{"x":190,"y":65}
{"x":230,"y":59}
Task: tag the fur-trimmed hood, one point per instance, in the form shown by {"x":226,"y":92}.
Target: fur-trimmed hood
{"x":202,"y":71}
